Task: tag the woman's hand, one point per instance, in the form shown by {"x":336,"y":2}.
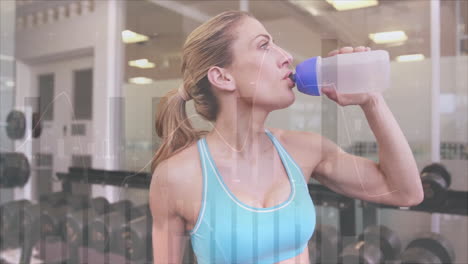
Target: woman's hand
{"x":361,"y":99}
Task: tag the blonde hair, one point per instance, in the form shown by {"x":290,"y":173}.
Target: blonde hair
{"x":208,"y":45}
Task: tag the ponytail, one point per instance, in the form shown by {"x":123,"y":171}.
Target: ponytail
{"x":208,"y":45}
{"x":173,"y":127}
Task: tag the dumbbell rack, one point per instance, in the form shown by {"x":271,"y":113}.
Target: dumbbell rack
{"x":57,"y":252}
{"x":89,"y":176}
{"x":321,"y":195}
{"x":104,"y":177}
{"x":457,"y":200}
{"x":432,"y":247}
{"x":456,"y":204}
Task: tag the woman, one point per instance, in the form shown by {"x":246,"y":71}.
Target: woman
{"x":240,"y":190}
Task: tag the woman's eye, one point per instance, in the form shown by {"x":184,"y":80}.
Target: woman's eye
{"x":264,"y":45}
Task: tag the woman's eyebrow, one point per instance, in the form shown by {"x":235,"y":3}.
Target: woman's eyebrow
{"x":263,"y":35}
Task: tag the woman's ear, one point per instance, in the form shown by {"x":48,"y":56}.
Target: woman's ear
{"x":221,"y":78}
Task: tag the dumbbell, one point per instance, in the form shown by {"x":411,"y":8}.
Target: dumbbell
{"x":53,"y":199}
{"x":14,"y":169}
{"x":100,"y":205}
{"x":29,"y":224}
{"x":77,"y":202}
{"x":15,"y":124}
{"x":53,"y":213}
{"x":102,"y":227}
{"x":52,"y":219}
{"x":56,"y":199}
{"x":428,"y":248}
{"x":144,"y":209}
{"x":324,"y":245}
{"x":76,"y":223}
{"x":122,"y":206}
{"x":376,"y":244}
{"x":8,"y":219}
{"x":435,"y":181}
{"x":133,"y":239}
{"x":24,"y":220}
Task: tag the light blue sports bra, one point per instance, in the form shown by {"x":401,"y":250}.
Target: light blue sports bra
{"x":229,"y":231}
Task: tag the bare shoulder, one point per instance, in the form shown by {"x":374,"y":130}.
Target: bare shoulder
{"x":180,"y":175}
{"x":294,"y":138}
{"x":303,"y":146}
{"x":177,"y":166}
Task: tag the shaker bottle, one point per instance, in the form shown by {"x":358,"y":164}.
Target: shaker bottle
{"x":359,"y":72}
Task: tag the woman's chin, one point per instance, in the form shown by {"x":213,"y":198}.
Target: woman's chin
{"x":286,"y":101}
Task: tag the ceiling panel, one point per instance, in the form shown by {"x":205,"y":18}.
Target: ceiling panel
{"x":170,"y":28}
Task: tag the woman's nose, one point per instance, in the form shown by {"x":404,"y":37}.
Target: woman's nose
{"x":289,"y":58}
{"x":285,"y":57}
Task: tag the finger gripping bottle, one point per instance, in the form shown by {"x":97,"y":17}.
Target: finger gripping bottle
{"x":359,"y":72}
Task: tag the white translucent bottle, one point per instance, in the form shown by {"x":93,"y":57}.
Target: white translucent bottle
{"x":359,"y":72}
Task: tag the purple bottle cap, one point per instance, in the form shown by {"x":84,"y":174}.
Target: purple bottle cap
{"x":306,"y":77}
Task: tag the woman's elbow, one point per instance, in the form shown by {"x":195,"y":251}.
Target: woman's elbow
{"x":414,"y":199}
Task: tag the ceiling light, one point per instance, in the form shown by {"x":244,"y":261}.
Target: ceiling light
{"x":411,"y":57}
{"x":140,"y":80}
{"x":129,"y":36}
{"x":342,"y":5}
{"x":141,"y":63}
{"x":388,"y":37}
